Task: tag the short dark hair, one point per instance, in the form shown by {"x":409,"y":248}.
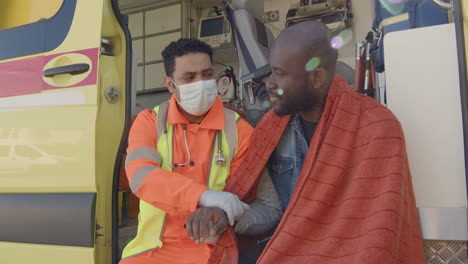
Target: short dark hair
{"x":182,"y":47}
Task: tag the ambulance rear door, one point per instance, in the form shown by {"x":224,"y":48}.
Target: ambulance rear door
{"x":63,"y":114}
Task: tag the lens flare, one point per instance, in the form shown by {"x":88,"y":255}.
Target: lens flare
{"x":266,"y":104}
{"x":280,"y":92}
{"x":312,"y":64}
{"x":394,"y":7}
{"x":343,"y":38}
{"x":336,"y":42}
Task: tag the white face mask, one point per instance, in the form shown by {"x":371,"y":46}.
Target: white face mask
{"x":197,"y":98}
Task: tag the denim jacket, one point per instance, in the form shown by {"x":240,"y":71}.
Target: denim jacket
{"x":284,"y":165}
{"x":286,"y":161}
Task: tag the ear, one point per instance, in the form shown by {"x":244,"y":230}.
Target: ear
{"x":169,"y":84}
{"x":317,"y":77}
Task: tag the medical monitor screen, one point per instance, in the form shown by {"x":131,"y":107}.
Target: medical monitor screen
{"x":212,"y":27}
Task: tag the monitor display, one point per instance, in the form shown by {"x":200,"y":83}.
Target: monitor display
{"x":211,"y":27}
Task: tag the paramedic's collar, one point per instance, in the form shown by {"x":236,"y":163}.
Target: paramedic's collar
{"x":213,"y":120}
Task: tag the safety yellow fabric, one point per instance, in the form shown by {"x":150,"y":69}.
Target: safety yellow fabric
{"x":151,"y":219}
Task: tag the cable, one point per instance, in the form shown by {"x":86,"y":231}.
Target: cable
{"x":220,"y":63}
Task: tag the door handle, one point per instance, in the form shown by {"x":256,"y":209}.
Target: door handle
{"x":72,"y":69}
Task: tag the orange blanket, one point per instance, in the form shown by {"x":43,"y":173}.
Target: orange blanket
{"x":354,"y":200}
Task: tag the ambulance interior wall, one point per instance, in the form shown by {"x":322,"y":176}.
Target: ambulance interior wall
{"x":220,"y":60}
{"x":152,"y":76}
{"x":361,"y":23}
{"x":168,"y":19}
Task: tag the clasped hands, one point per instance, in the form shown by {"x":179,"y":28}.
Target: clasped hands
{"x":206,"y":224}
{"x":217,"y":211}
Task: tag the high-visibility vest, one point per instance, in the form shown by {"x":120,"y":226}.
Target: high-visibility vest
{"x":151,"y":219}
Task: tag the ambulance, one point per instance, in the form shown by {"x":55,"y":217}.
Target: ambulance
{"x":74,"y":73}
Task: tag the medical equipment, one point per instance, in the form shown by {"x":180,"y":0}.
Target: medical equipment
{"x":192,"y":163}
{"x":333,"y":13}
{"x":220,"y":157}
{"x":227,"y":85}
{"x":315,"y":7}
{"x":412,"y":14}
{"x":365,"y":74}
{"x":215,"y":31}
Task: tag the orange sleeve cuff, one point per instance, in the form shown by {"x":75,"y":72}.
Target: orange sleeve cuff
{"x":170,"y":191}
{"x":195,"y":196}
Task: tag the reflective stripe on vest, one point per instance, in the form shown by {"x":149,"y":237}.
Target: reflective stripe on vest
{"x":151,"y":220}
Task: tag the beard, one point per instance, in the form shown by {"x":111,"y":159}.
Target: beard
{"x":282,"y":109}
{"x":295,"y":101}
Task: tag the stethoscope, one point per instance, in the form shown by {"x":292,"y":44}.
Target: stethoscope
{"x":220,"y":157}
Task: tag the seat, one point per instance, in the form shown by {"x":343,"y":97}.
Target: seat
{"x":253,"y":41}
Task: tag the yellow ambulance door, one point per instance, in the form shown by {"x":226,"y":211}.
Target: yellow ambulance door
{"x":64,"y":111}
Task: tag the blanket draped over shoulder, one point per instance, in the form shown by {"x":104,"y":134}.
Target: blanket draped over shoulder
{"x":354,"y":200}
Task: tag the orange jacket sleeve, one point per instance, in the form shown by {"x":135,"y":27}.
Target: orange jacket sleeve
{"x":171,"y":192}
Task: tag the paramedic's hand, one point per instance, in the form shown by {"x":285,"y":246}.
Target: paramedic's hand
{"x":206,"y":225}
{"x":226,"y":201}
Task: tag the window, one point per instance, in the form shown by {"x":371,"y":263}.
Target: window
{"x":32,"y":26}
{"x":152,"y":29}
{"x":14,"y":13}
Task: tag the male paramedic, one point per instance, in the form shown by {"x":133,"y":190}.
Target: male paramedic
{"x":337,"y":159}
{"x":180,"y":156}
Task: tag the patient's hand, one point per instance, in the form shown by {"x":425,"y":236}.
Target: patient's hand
{"x":206,"y":224}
